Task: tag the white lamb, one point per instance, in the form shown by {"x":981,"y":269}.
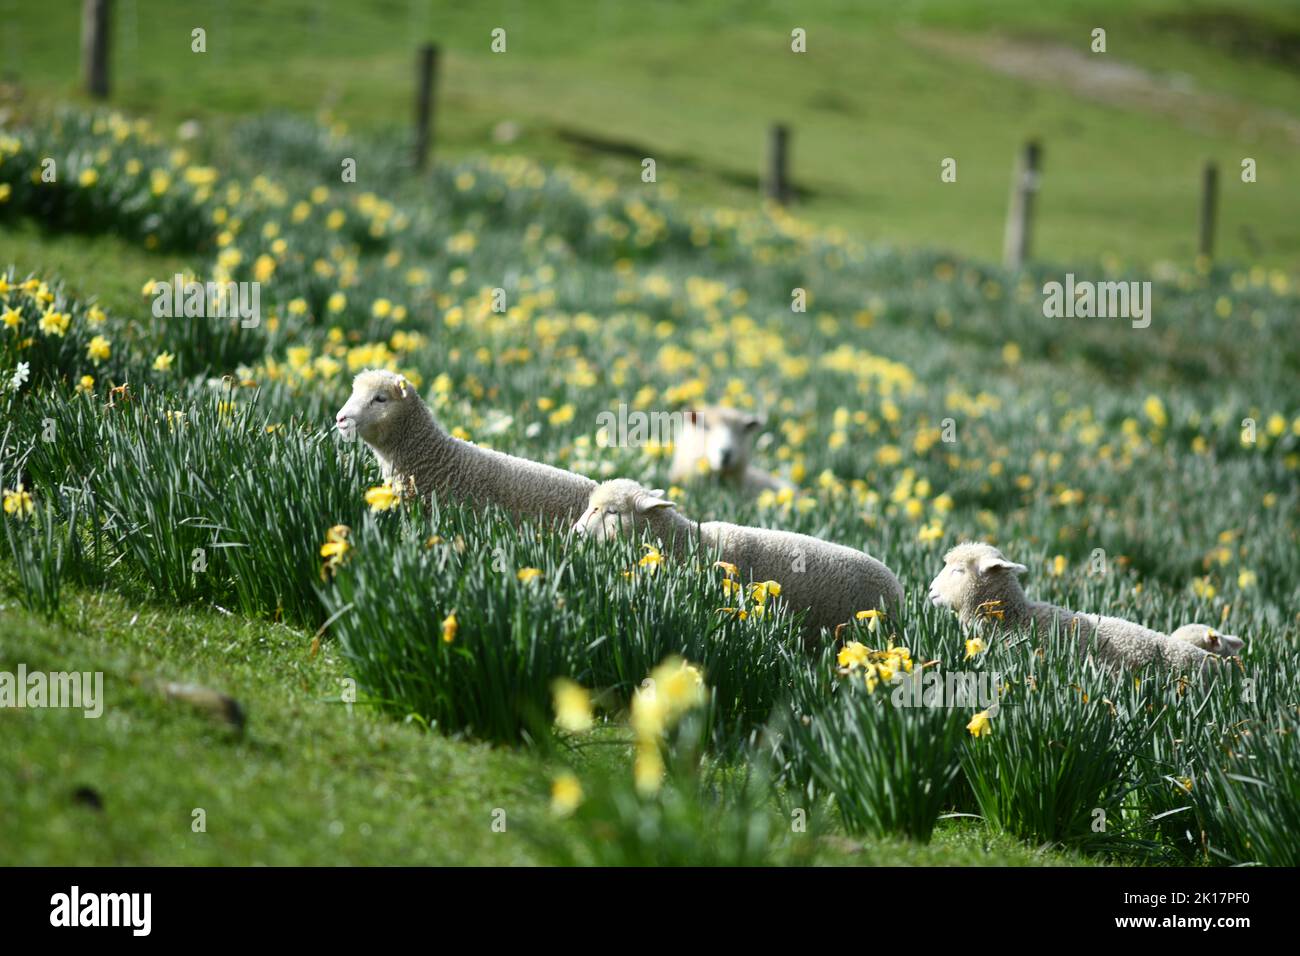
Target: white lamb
{"x":388,"y":415}
{"x":1208,"y":639}
{"x":830,"y":581}
{"x":982,"y":587}
{"x":716,"y":441}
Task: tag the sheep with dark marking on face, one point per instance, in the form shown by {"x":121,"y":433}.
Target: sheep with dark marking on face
{"x":983,"y":588}
{"x":412,"y":448}
{"x":717,"y":442}
{"x":830,"y":581}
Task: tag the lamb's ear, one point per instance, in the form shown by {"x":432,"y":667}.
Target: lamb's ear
{"x":991,"y":562}
{"x":651,"y":500}
{"x":657,"y":492}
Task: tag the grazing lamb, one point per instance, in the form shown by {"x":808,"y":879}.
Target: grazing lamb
{"x":1208,"y":639}
{"x":715,"y":441}
{"x":386,"y":412}
{"x":832,"y":582}
{"x":980,"y":585}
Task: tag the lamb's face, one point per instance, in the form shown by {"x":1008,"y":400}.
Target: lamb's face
{"x":378,"y":397}
{"x":726,"y":436}
{"x":969,"y":570}
{"x":618,"y":507}
{"x":1208,"y":639}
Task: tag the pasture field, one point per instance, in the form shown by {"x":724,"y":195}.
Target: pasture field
{"x":883,"y":94}
{"x":179,"y":509}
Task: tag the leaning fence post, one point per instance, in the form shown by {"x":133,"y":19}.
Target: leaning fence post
{"x":776,"y":185}
{"x":426,"y":72}
{"x":1209,"y":209}
{"x":1020,"y":214}
{"x":96,"y":19}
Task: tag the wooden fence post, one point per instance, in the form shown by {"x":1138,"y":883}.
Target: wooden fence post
{"x":776,"y":184}
{"x":1209,"y":209}
{"x":96,"y":21}
{"x":426,"y":78}
{"x":1020,"y":216}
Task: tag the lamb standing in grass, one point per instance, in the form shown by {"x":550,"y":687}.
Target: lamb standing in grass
{"x":715,"y":441}
{"x":830,"y":581}
{"x":386,"y":412}
{"x":1208,"y":639}
{"x":981,"y":585}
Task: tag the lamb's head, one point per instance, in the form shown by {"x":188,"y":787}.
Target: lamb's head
{"x":973,"y":575}
{"x":1208,"y":639}
{"x":617,"y":507}
{"x":724,"y":437}
{"x":379,"y":399}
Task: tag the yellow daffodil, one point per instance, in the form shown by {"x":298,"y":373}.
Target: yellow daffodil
{"x":873,"y":618}
{"x":54,"y":323}
{"x":383,"y":497}
{"x":449,"y":628}
{"x":528,"y":574}
{"x":335,"y":549}
{"x":99,"y":349}
{"x":572,"y":706}
{"x":651,"y":559}
{"x":980,"y":725}
{"x":18,"y":502}
{"x":649,"y":767}
{"x":853,"y":654}
{"x":566,"y":794}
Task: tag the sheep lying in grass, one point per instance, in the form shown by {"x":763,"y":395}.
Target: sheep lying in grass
{"x":1208,"y":639}
{"x":981,"y":586}
{"x":388,"y":415}
{"x":717,"y":442}
{"x":830,"y":581}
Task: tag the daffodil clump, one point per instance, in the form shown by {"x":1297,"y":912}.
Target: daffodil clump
{"x":752,"y":599}
{"x":673,"y":689}
{"x":874,"y":667}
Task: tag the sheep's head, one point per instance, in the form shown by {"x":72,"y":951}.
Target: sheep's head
{"x":972,"y":575}
{"x":1208,"y":639}
{"x":726,"y":437}
{"x":617,"y":507}
{"x":378,"y":399}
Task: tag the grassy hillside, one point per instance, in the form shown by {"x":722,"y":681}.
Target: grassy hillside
{"x":922,"y":399}
{"x":882,"y":96}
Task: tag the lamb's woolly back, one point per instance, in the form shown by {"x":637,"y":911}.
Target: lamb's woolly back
{"x":829,"y":581}
{"x":412,"y":449}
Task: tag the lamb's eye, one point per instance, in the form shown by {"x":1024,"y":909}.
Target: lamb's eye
{"x":379,"y":399}
{"x":957,"y":570}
